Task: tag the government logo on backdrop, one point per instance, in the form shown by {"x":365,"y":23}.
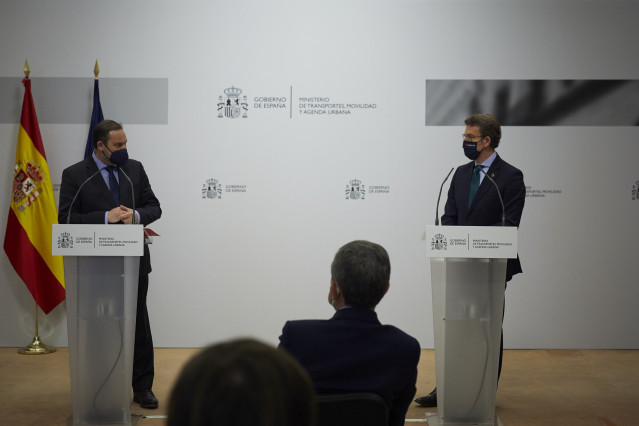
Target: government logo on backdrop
{"x":212,"y":189}
{"x":235,"y":104}
{"x":282,"y":103}
{"x":355,"y":190}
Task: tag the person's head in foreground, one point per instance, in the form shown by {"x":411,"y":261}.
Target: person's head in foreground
{"x":242,"y":382}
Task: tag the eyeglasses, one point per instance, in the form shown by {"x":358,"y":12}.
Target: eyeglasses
{"x":471,"y":138}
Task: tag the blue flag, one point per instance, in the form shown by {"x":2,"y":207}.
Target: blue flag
{"x":96,"y":117}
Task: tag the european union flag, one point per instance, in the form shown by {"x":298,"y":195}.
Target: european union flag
{"x":96,"y":117}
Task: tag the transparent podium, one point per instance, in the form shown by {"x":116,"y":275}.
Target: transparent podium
{"x":468,"y":275}
{"x":101,"y":265}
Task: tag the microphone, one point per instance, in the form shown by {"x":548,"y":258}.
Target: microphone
{"x":133,"y":218}
{"x":440,"y":196}
{"x":503,"y":209}
{"x":78,"y":192}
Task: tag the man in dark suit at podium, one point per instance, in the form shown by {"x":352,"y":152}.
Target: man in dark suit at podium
{"x":353,"y":351}
{"x":473,"y":199}
{"x":110,"y":199}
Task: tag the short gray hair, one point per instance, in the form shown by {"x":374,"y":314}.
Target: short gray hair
{"x":361,"y":269}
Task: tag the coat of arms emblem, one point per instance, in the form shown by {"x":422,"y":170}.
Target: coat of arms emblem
{"x":355,"y":190}
{"x":439,"y":242}
{"x":212,"y":189}
{"x":235,"y":105}
{"x":25,"y":184}
{"x":65,"y":240}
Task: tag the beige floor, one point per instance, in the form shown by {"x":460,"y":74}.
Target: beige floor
{"x":537,"y":387}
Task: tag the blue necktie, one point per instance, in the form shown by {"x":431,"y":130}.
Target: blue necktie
{"x":113,"y":185}
{"x":474,"y":183}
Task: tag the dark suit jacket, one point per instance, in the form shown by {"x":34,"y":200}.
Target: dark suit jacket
{"x":486,"y":209}
{"x":95,"y":198}
{"x":353,"y":351}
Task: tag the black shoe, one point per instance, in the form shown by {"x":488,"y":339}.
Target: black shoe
{"x":146,"y":399}
{"x":429,"y":400}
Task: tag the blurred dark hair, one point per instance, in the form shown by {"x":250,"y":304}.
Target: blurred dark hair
{"x":242,"y":382}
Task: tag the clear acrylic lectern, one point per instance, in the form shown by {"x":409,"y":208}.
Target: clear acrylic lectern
{"x":468,"y":300}
{"x":101,"y":267}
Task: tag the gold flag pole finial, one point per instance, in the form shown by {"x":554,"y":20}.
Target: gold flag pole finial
{"x":96,"y":69}
{"x":26,"y":70}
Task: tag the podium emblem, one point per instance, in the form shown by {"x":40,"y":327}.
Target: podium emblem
{"x":65,"y":240}
{"x":438,"y":242}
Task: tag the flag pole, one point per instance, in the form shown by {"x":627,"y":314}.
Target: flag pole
{"x":36,"y":347}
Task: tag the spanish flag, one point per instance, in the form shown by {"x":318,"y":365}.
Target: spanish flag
{"x":33,"y":211}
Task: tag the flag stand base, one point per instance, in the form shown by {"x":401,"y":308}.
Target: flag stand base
{"x":36,"y":348}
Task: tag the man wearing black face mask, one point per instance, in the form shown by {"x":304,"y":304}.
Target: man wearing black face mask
{"x":473,"y":200}
{"x":107,"y":198}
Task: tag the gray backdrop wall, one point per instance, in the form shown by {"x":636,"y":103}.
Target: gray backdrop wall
{"x":336,"y":94}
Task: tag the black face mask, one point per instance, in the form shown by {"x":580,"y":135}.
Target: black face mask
{"x":470,"y":149}
{"x":119,"y":157}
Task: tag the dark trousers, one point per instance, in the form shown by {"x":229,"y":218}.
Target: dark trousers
{"x":143,"y":371}
{"x":501,"y":343}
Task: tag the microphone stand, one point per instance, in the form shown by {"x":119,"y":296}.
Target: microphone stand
{"x":133,"y":218}
{"x":78,"y":192}
{"x":440,"y":196}
{"x":503,"y":209}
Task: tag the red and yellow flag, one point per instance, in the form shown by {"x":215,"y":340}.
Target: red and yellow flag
{"x":33,"y":211}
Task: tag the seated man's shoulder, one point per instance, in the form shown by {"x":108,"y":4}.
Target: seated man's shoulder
{"x":401,"y":339}
{"x":304,"y":324}
{"x":399,"y":332}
